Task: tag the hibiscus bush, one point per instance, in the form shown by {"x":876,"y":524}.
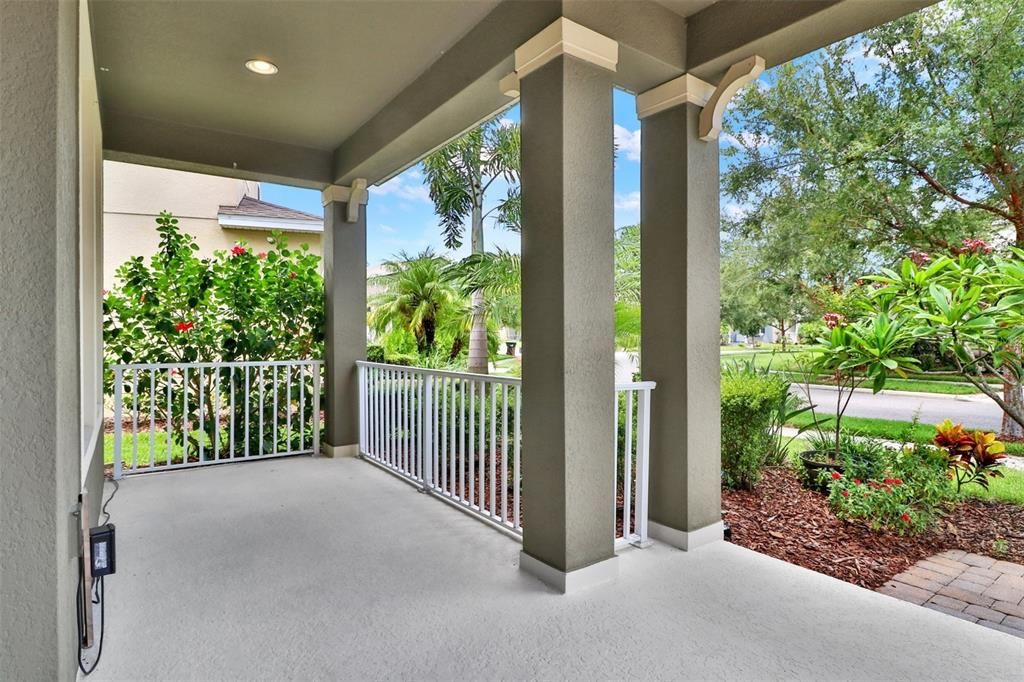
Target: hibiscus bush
{"x":238,"y":305}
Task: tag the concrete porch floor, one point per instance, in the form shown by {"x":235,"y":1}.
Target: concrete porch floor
{"x":313,"y":569}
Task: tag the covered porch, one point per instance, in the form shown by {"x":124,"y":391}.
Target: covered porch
{"x":315,"y":567}
{"x":311,"y":568}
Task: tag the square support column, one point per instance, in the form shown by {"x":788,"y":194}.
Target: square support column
{"x":568,"y":323}
{"x":344,"y":320}
{"x":679,"y":250}
{"x":40,"y":378}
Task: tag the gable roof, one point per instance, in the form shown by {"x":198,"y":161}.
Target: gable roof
{"x":255,"y":214}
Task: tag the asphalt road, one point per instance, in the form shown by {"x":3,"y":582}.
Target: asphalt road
{"x":977,"y":411}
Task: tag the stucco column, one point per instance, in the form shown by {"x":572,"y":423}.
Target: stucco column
{"x":40,"y":380}
{"x":568,"y":322}
{"x":680,"y":298}
{"x":344,"y":253}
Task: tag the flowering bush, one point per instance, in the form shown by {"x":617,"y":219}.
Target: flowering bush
{"x":905,"y":499}
{"x":973,"y":456}
{"x":181,"y":308}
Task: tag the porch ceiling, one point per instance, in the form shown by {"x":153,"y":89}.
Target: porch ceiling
{"x":367,"y":87}
{"x":333,"y":569}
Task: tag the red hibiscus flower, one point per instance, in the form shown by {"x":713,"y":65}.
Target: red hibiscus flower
{"x":836,"y":475}
{"x":262,"y":255}
{"x":184,"y":326}
{"x":846,"y":493}
{"x":237,"y":250}
{"x":292,"y":275}
{"x":905,"y":517}
{"x":857,"y":481}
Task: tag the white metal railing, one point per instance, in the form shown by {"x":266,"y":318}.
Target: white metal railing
{"x":457,"y":436}
{"x":194,"y":414}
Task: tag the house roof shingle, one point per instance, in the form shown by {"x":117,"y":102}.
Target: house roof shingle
{"x":254,"y":208}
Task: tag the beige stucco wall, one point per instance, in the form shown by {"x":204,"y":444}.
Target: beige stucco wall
{"x":134,"y":195}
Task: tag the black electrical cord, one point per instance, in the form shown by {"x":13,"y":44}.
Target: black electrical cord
{"x":96,"y":597}
{"x":103,"y":509}
{"x":96,"y":594}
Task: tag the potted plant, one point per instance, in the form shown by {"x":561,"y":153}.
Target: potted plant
{"x":851,"y":355}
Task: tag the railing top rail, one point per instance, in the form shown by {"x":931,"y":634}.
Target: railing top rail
{"x":214,"y":365}
{"x":494,"y":378}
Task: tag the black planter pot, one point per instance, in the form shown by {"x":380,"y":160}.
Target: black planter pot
{"x":510,"y":348}
{"x":815,"y":462}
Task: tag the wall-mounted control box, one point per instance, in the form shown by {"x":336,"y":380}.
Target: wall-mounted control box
{"x":101,"y":550}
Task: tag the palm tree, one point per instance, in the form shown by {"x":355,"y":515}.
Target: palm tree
{"x":458,"y":176}
{"x":418,"y":297}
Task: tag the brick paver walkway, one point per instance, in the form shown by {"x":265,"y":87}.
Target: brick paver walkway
{"x":977,"y":588}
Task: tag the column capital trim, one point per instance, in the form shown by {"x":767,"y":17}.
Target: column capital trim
{"x":687,"y":89}
{"x":353,"y":196}
{"x":566,"y":37}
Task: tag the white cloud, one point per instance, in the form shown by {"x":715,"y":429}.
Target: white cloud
{"x":733,"y":211}
{"x":628,"y":202}
{"x":628,"y":142}
{"x":386,"y":228}
{"x":405,"y":186}
{"x":506,"y":123}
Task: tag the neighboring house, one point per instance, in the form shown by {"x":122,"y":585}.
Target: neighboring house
{"x":768,"y":335}
{"x":219,"y":212}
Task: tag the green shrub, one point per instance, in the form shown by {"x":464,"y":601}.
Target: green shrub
{"x":375,"y":353}
{"x":810,"y":331}
{"x":904,"y":496}
{"x":749,"y":402}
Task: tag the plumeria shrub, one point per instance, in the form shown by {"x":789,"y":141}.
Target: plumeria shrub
{"x":238,"y":305}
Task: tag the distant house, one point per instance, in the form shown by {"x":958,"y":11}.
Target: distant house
{"x":219,"y":212}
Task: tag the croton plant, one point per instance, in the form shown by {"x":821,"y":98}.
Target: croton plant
{"x":974,"y":456}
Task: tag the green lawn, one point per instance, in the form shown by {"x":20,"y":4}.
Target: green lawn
{"x":159,"y":445}
{"x":946,"y":384}
{"x":1009,"y":488}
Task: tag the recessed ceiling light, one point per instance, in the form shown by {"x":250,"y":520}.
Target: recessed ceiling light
{"x":261,"y":66}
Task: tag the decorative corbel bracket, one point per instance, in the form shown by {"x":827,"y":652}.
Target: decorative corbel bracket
{"x":353,"y":197}
{"x":738,"y":75}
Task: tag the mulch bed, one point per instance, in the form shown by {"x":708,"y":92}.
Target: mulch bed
{"x":784,"y":520}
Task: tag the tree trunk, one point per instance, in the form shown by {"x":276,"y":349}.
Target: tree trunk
{"x":478,"y":330}
{"x":1013,"y":395}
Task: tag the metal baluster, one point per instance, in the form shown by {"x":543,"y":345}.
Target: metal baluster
{"x":627,"y":473}
{"x":471,"y":443}
{"x":231,"y":434}
{"x":202,"y":426}
{"x":216,"y":413}
{"x":277,"y":389}
{"x":118,"y":427}
{"x":516,"y":472}
{"x":494,"y":443}
{"x":169,"y":415}
{"x":152,"y":417}
{"x":260,"y":454}
{"x":135,"y":419}
{"x":504,"y":453}
{"x":247,"y":372}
